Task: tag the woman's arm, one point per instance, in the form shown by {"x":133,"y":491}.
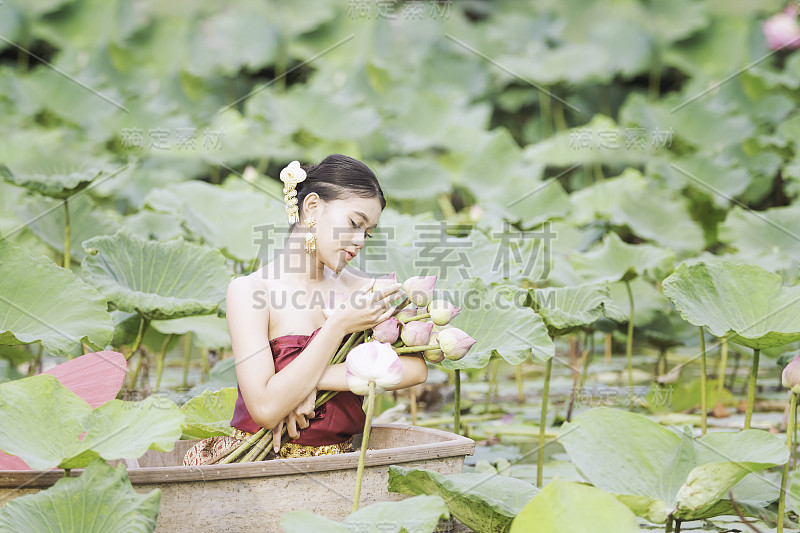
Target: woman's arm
{"x":271,"y":396}
{"x":415,"y":371}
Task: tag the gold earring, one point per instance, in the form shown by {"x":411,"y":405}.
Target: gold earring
{"x":311,"y":240}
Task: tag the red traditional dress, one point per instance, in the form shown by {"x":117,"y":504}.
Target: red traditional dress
{"x":330,"y":431}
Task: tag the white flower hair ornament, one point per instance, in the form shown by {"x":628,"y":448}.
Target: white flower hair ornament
{"x":291,"y":176}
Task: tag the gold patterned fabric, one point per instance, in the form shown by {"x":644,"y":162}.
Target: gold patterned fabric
{"x":206,"y":450}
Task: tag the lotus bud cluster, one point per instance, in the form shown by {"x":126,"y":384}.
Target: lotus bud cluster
{"x":424,"y":325}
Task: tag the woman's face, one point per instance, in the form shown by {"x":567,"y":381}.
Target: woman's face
{"x":342,"y":227}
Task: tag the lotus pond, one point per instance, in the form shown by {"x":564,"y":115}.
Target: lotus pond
{"x":608,"y":190}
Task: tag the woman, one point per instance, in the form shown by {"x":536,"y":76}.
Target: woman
{"x":282,"y":341}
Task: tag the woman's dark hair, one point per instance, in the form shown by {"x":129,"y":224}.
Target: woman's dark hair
{"x":338,"y":177}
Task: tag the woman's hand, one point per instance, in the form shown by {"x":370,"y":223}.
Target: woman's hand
{"x":294,"y":420}
{"x":365,"y":309}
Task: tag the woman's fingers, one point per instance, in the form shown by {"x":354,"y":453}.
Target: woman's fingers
{"x":302,"y":421}
{"x":276,"y":436}
{"x":291,"y":426}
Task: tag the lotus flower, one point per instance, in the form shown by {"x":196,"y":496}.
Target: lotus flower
{"x":420,"y":289}
{"x":383,"y":282}
{"x":336,"y":300}
{"x":455,"y":343}
{"x":387,"y":331}
{"x":416,"y":332}
{"x":407,"y":312}
{"x":372,"y":361}
{"x":791,"y":375}
{"x":442,"y":311}
{"x":782,"y":30}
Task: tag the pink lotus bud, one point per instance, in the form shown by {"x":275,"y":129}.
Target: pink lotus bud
{"x":387,"y":280}
{"x":442,"y":311}
{"x":387,"y":331}
{"x":407,"y":312}
{"x":335,"y":301}
{"x":782,"y":30}
{"x":455,"y":343}
{"x":791,"y":375}
{"x":419,"y":289}
{"x":372,"y":361}
{"x":416,"y":332}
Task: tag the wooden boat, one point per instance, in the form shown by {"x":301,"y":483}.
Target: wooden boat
{"x":253,"y":496}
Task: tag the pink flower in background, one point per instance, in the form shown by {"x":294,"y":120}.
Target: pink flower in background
{"x":387,"y":331}
{"x":782,"y":30}
{"x":791,"y":375}
{"x":372,"y":361}
{"x":416,"y":333}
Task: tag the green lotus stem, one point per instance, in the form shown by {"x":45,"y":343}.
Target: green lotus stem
{"x":139,"y":334}
{"x":66,"y":234}
{"x":204,"y":361}
{"x":161,"y":356}
{"x":546,"y":114}
{"x":703,"y":399}
{"x":412,"y":349}
{"x":518,"y":378}
{"x":785,"y":477}
{"x":236,"y":452}
{"x":794,"y":447}
{"x":187,"y":356}
{"x":457,"y":404}
{"x":543,"y":422}
{"x":364,"y":441}
{"x":421,"y":316}
{"x":629,"y":343}
{"x":35,"y":363}
{"x":668,"y":528}
{"x":67,"y":471}
{"x":492,"y":384}
{"x":751,"y":389}
{"x":723,"y":362}
{"x":135,"y":375}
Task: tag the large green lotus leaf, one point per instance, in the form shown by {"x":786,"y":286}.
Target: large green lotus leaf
{"x":86,"y":220}
{"x":723,"y":460}
{"x":606,"y":145}
{"x":793,"y":492}
{"x":719,"y":178}
{"x":101,"y":499}
{"x":228,"y":220}
{"x":160,"y":280}
{"x":569,"y":507}
{"x":418,"y":514}
{"x":411,"y":178}
{"x":56,"y":185}
{"x":40,"y":420}
{"x":643,"y":460}
{"x":744,"y":302}
{"x":221,"y":375}
{"x":483,"y":502}
{"x":156,"y":226}
{"x":644,"y":212}
{"x":655,"y":471}
{"x":126,"y":430}
{"x":209,"y":414}
{"x":768,"y":232}
{"x":208,"y":331}
{"x":501,"y":324}
{"x":604,"y":198}
{"x":565,"y":309}
{"x":31,"y":287}
{"x":616,"y":260}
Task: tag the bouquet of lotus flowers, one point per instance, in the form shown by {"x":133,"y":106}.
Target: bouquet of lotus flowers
{"x":419,"y":324}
